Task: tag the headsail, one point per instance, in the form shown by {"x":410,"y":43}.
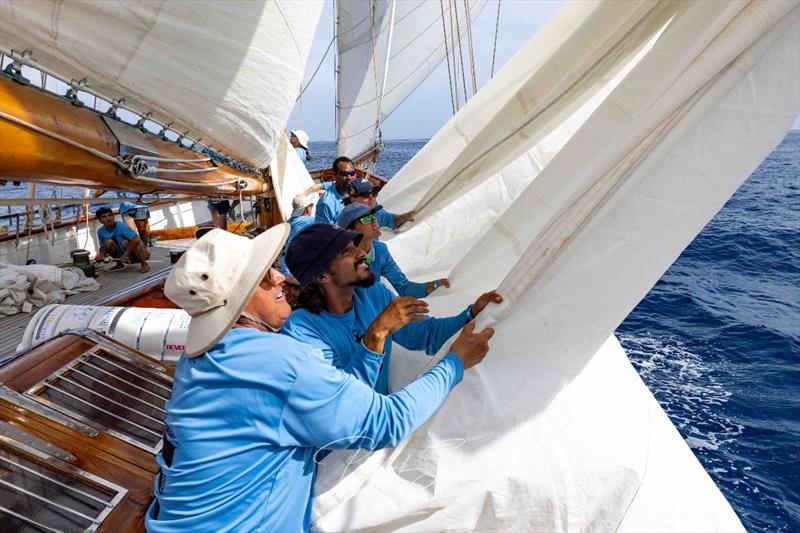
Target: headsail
{"x":386,"y":49}
{"x":572,"y":180}
{"x":226,"y":72}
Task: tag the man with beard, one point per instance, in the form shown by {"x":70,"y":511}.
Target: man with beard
{"x":251,"y":408}
{"x":343,"y":312}
{"x":333,"y":192}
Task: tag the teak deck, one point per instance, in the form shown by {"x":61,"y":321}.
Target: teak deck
{"x":114,"y":286}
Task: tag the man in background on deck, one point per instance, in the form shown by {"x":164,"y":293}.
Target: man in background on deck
{"x":341,"y":306}
{"x":136,"y":216}
{"x":302,"y":217}
{"x":119,"y":241}
{"x":219,"y":209}
{"x":299,"y":141}
{"x":362,"y":219}
{"x":362,"y":191}
{"x":333,"y":192}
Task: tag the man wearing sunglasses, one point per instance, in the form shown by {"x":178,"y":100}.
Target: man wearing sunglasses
{"x":334,"y":192}
{"x":349,"y":317}
{"x":364,"y":220}
{"x":362,"y":191}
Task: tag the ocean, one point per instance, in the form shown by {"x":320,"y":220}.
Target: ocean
{"x":717,"y":339}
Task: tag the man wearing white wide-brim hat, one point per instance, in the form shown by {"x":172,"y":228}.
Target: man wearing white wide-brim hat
{"x":250,"y":407}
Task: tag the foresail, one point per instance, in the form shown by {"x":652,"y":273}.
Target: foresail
{"x":227,"y":72}
{"x":410,"y":33}
{"x":572,"y":181}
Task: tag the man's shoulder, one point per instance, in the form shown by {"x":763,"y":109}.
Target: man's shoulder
{"x":250,"y":342}
{"x":301,"y":322}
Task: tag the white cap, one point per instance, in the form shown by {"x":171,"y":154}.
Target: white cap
{"x":215,"y":279}
{"x":302,"y":137}
{"x":301,"y":201}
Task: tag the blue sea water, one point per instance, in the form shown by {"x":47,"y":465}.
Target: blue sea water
{"x":717,"y":339}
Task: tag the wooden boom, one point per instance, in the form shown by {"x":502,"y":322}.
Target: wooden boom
{"x":46,"y":138}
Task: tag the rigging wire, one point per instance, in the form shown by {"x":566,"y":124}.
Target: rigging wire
{"x":453,"y":48}
{"x":496,"y":27}
{"x":460,"y":53}
{"x":471,"y":48}
{"x":447,"y":55}
{"x":330,"y":44}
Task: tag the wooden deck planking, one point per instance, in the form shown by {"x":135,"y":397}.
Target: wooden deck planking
{"x":112,"y":285}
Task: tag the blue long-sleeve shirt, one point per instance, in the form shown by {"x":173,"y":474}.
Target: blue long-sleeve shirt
{"x":340,"y":336}
{"x":330,"y":204}
{"x":386,"y":219}
{"x":384,"y":266}
{"x":247,"y":418}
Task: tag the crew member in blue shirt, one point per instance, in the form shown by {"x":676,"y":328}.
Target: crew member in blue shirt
{"x":340,"y":302}
{"x":362,"y":191}
{"x":302,"y":217}
{"x":299,"y":141}
{"x":333,"y":192}
{"x":136,"y":216}
{"x":250,"y":408}
{"x":360,"y":218}
{"x":119,"y":241}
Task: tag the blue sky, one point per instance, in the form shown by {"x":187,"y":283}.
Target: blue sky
{"x":427,"y":109}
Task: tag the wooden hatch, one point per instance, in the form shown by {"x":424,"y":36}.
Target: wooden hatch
{"x":81,"y":419}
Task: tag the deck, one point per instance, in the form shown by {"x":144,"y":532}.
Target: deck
{"x":113,"y":285}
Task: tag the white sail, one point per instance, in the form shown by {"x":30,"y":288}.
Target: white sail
{"x":407,"y":32}
{"x":571,"y":182}
{"x":289,"y":176}
{"x":228,"y":72}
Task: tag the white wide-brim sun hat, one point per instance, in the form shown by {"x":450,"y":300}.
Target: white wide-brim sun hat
{"x":215,"y":279}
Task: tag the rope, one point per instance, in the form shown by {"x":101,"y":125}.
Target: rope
{"x":471,"y":48}
{"x":330,"y":44}
{"x":65,"y":140}
{"x":496,"y":27}
{"x":385,"y":75}
{"x":374,"y":60}
{"x":460,"y":53}
{"x":447,"y":55}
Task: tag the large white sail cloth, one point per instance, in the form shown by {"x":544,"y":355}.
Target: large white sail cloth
{"x":407,"y":32}
{"x":572,"y":181}
{"x":228,"y":72}
{"x":289,"y":176}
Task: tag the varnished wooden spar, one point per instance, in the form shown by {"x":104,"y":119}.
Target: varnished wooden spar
{"x":29,"y":155}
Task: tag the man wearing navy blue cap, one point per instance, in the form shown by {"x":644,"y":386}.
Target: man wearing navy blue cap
{"x":360,"y":218}
{"x":344,"y":313}
{"x":363,"y":191}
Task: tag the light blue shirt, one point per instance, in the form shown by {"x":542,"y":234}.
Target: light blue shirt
{"x":124,"y":207}
{"x":301,"y":153}
{"x":386,"y":219}
{"x":121,"y":232}
{"x":339,"y":337}
{"x":384,"y":266}
{"x":247,"y":418}
{"x":330,"y":205}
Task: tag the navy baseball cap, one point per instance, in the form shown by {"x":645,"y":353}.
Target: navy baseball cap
{"x":360,"y":187}
{"x":353,"y":212}
{"x":311,"y":251}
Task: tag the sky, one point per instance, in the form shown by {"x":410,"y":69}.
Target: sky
{"x":428,"y":108}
